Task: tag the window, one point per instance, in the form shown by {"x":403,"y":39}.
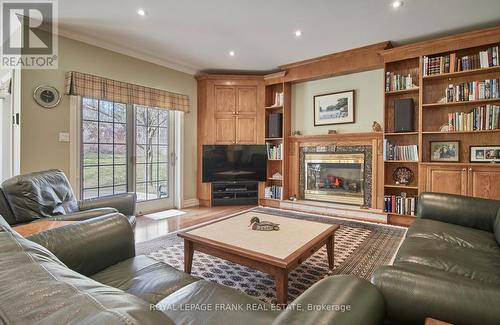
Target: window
{"x":104,"y":148}
{"x":125,"y":148}
{"x":152,"y":152}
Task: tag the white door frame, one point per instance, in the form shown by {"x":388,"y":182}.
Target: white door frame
{"x":75,"y":147}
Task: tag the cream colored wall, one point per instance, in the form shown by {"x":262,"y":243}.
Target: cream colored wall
{"x":369,"y":101}
{"x":40,"y":146}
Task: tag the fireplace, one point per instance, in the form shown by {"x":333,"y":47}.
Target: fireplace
{"x":334,"y":177}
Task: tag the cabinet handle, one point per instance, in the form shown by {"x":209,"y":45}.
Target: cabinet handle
{"x":470,"y":169}
{"x":464,"y":169}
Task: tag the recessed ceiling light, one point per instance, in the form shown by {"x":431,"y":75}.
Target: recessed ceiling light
{"x":141,"y":12}
{"x":231,"y":53}
{"x":397,"y":4}
{"x":298,"y":33}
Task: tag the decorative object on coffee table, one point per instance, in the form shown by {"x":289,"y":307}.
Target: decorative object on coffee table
{"x":445,"y":151}
{"x":256,"y":224}
{"x":334,"y":108}
{"x":484,"y":154}
{"x":402,"y":175}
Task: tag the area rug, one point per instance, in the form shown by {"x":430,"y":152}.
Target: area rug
{"x":360,"y":247}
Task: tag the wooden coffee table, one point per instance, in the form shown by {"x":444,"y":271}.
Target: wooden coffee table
{"x":272,"y":252}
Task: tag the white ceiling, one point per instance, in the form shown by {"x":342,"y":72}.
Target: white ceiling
{"x":194,"y":36}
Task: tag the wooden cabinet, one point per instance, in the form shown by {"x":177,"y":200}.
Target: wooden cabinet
{"x":484,"y":182}
{"x":225,"y":100}
{"x":463,"y":179}
{"x":247,"y":100}
{"x":246,"y":129}
{"x":235,"y":130}
{"x":230,"y":111}
{"x":225,"y":130}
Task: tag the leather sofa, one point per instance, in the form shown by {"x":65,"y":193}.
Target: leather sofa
{"x":87,"y":273}
{"x":48,"y":194}
{"x":448,"y":266}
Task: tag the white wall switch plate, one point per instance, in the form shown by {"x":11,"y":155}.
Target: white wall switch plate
{"x":63,"y":137}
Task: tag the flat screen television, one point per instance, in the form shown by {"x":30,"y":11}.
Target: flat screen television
{"x":234,"y":163}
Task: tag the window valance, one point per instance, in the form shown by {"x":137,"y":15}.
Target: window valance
{"x":86,"y":85}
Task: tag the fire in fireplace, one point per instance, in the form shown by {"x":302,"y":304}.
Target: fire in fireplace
{"x":334,"y":177}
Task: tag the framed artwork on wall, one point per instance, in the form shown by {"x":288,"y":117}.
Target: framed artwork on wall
{"x":445,"y":151}
{"x":484,"y":154}
{"x":334,"y":108}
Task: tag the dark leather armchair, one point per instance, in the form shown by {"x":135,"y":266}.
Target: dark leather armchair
{"x":48,"y":194}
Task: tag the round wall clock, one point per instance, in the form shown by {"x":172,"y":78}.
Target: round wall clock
{"x":47,"y":96}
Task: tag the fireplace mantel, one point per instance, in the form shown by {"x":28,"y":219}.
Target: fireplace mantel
{"x":338,"y":137}
{"x":373,"y":139}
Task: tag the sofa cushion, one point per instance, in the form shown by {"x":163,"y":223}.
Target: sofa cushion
{"x":38,"y":289}
{"x":454,"y":234}
{"x":209,"y":301}
{"x":144,"y":277}
{"x":39,"y":195}
{"x":475,"y":264}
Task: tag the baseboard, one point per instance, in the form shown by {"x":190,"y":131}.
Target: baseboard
{"x":190,"y":203}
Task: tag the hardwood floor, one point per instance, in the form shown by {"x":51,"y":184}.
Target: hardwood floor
{"x":148,"y":229}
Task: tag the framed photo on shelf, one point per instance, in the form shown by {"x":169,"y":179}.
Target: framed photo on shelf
{"x":334,"y":108}
{"x":484,"y":154}
{"x":445,"y":151}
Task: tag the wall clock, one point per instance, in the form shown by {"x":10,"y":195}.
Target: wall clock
{"x":47,"y":96}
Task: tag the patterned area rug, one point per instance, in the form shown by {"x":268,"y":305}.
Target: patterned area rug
{"x":359,"y":249}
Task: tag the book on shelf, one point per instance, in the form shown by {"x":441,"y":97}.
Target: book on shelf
{"x":274,"y":151}
{"x":484,"y":117}
{"x":394,"y":82}
{"x":473,"y":90}
{"x":395,"y":152}
{"x":278,"y":100}
{"x":400,"y":204}
{"x":273,"y":192}
{"x":480,"y":60}
{"x":438,"y":64}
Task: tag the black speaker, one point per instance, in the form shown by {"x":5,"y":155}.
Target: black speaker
{"x":403,"y":115}
{"x":274,"y":126}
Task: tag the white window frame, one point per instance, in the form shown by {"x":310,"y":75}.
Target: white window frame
{"x":75,"y":151}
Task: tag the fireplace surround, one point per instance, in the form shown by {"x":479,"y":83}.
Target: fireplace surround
{"x":336,"y":174}
{"x":334,"y":177}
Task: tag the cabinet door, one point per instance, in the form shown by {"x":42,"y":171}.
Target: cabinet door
{"x":246,"y":130}
{"x":225,"y":100}
{"x":446,"y":179}
{"x":484,"y":182}
{"x":225,"y":130}
{"x":247,"y":100}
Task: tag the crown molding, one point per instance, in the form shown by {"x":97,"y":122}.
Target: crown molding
{"x":129,"y":52}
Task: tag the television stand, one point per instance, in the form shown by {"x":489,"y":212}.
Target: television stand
{"x":235,"y":193}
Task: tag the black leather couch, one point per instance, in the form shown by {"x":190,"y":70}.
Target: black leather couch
{"x":48,"y":194}
{"x":87,"y":273}
{"x":448,"y":266}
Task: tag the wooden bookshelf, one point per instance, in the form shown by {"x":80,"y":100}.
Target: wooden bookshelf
{"x":464,"y":177}
{"x":278,"y":165}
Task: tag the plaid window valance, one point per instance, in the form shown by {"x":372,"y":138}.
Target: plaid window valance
{"x":86,"y":85}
